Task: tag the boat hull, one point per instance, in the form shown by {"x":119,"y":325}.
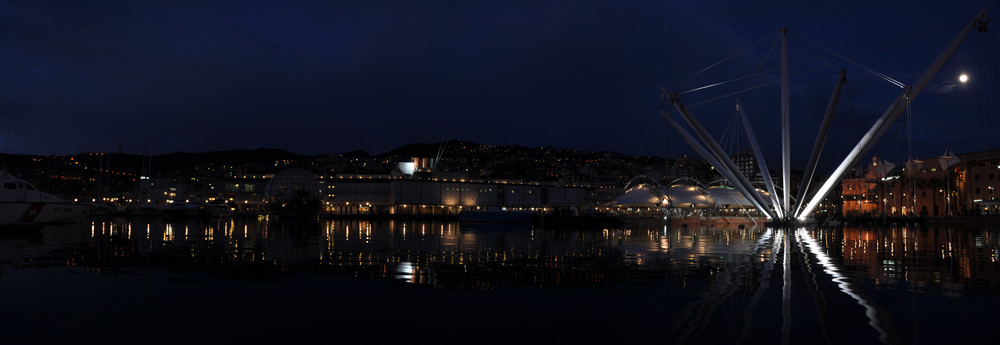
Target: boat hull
{"x":41,"y":212}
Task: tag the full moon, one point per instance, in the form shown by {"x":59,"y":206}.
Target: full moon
{"x":963,"y":78}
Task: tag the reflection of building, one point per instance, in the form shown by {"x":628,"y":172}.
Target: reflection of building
{"x":455,"y":255}
{"x":887,"y":254}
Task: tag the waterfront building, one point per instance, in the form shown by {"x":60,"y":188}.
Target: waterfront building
{"x":747,"y":164}
{"x":294,"y":192}
{"x":860,"y":190}
{"x":982,"y":178}
{"x":945,"y":185}
{"x":396,"y":195}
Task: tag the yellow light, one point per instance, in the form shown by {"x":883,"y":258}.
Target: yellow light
{"x":963,"y":78}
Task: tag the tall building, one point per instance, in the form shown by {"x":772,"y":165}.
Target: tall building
{"x":747,"y":163}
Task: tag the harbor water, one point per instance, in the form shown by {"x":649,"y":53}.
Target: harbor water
{"x":149,"y":280}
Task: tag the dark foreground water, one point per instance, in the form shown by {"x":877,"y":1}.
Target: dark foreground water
{"x":348,"y":282}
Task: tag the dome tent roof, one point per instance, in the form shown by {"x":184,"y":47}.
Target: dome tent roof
{"x":729,"y":197}
{"x":640,"y":195}
{"x":683,"y":196}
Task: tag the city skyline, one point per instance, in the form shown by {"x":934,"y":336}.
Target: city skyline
{"x":332,"y":78}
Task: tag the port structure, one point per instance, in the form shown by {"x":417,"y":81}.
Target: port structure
{"x":784,"y":211}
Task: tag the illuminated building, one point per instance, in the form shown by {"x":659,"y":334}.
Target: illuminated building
{"x":384,"y":194}
{"x":945,"y":185}
{"x":981,"y":178}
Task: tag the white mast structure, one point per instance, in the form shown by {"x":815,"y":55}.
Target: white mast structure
{"x":710,"y":149}
{"x":786,"y":146}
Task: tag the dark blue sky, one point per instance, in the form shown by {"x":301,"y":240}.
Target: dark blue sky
{"x":319,"y":77}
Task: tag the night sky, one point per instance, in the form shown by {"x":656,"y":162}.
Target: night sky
{"x":317,"y":77}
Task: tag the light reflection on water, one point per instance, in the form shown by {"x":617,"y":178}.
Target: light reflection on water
{"x":688,"y":285}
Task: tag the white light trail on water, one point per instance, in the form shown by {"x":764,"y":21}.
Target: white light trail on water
{"x":830,"y":268}
{"x":786,"y":293}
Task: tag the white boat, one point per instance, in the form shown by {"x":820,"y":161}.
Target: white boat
{"x":20,"y":202}
{"x":182,"y":209}
{"x":141,"y":209}
{"x":218,"y":208}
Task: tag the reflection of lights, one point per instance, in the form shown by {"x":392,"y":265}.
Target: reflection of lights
{"x":407,"y":271}
{"x":168,"y":233}
{"x":786,"y":292}
{"x":828,"y":266}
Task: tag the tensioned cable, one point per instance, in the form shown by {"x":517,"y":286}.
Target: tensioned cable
{"x":820,"y":57}
{"x":773,"y":70}
{"x":902,"y":40}
{"x":906,"y":39}
{"x":978,"y":83}
{"x":761,"y":65}
{"x":725,"y":59}
{"x":850,"y":110}
{"x":750,"y":82}
{"x":992,"y":77}
{"x":751,"y":88}
{"x":892,"y":42}
{"x":740,"y":78}
{"x":853,"y":62}
{"x":985,"y":85}
{"x":857,"y":52}
{"x":909,"y":153}
{"x":731,"y":136}
{"x":727,"y":141}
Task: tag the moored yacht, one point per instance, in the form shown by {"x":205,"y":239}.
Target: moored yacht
{"x":218,"y":208}
{"x":178,"y":208}
{"x":20,"y":202}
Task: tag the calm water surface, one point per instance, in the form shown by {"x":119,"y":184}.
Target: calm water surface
{"x":147,"y":280}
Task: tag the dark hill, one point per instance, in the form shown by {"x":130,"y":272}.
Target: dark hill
{"x":180,"y":161}
{"x":424,"y":149}
{"x":414,"y":150}
{"x":356,"y":154}
{"x":185,"y":161}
